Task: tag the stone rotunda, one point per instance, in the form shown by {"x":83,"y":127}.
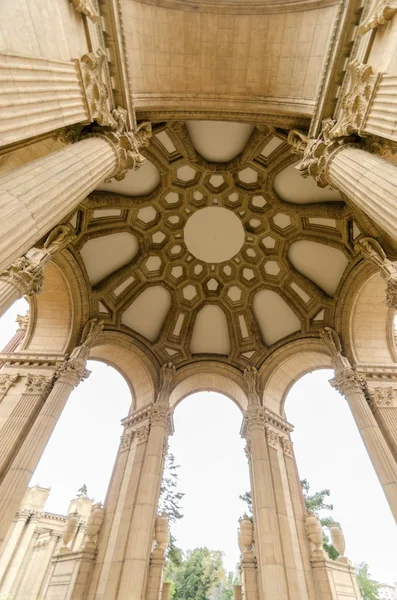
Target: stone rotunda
{"x":202,"y":195}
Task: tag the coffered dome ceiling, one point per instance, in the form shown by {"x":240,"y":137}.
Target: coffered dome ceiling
{"x":216,"y":246}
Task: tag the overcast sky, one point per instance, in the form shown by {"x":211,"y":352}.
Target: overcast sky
{"x":214,"y":470}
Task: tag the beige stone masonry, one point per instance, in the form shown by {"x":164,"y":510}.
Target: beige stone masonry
{"x":269,"y":553}
{"x":352,"y":386}
{"x":22,"y":418}
{"x":37,"y":197}
{"x":25,"y":276}
{"x":119,"y":504}
{"x":70,"y":373}
{"x":368,"y":181}
{"x":136,"y":559}
{"x":38,"y":95}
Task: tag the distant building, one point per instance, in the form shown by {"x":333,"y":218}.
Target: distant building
{"x":388,"y":592}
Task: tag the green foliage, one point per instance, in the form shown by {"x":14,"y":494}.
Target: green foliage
{"x":82,"y":492}
{"x":202,"y":576}
{"x":170,"y":498}
{"x":316,"y":502}
{"x":368,"y":587}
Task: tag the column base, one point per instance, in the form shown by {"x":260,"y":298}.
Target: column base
{"x":335,"y":579}
{"x":69,"y":576}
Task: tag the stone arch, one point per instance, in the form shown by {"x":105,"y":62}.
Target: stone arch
{"x":288,"y":364}
{"x":368,"y":326}
{"x":210,"y":377}
{"x":59,"y":311}
{"x":138,"y":369}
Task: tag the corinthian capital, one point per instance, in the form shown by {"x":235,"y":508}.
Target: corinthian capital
{"x":126,"y":146}
{"x":381,"y":397}
{"x":382,"y":11}
{"x":25,"y":275}
{"x":7,"y":381}
{"x":96,"y":92}
{"x":72,"y":371}
{"x":373,"y":251}
{"x":347,"y":381}
{"x":356,"y":103}
{"x":37,"y":384}
{"x":317,"y":154}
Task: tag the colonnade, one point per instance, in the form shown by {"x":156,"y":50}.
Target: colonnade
{"x":36,"y":198}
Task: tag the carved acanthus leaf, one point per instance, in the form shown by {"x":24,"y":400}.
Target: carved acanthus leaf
{"x":356,"y":103}
{"x":87,"y":7}
{"x":7,"y":381}
{"x":383,"y":11}
{"x":37,"y":384}
{"x":96,"y":91}
{"x":317,"y":154}
{"x":23,"y":321}
{"x":72,"y":371}
{"x":348,"y":381}
{"x":25,"y":275}
{"x":287,"y":446}
{"x":273,"y":439}
{"x":125,"y":441}
{"x":381,"y":397}
{"x":126,"y":147}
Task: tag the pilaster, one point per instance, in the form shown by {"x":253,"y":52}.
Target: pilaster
{"x":269,"y":552}
{"x":69,"y":374}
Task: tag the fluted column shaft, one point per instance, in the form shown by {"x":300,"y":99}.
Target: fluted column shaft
{"x":9,"y":293}
{"x":140,"y":537}
{"x":17,"y":560}
{"x":119,"y":505}
{"x":370,"y":182}
{"x":43,"y":566}
{"x":381,"y":457}
{"x":69,"y":374}
{"x":21,"y":419}
{"x":36,"y":197}
{"x":14,"y":539}
{"x":38,"y":95}
{"x":268,"y":540}
{"x":291,"y":517}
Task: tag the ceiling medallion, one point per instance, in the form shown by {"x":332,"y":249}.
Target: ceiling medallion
{"x":214,"y":234}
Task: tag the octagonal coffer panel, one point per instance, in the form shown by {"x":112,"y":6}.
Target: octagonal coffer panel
{"x":291,"y":187}
{"x":211,"y":332}
{"x":274,"y":317}
{"x":321,"y":263}
{"x":147,"y":313}
{"x":106,"y":254}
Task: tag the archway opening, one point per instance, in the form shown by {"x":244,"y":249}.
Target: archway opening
{"x":213,"y":474}
{"x":84,"y":443}
{"x":330,"y":454}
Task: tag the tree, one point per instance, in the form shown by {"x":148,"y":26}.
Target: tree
{"x":170,"y":504}
{"x":369,"y":588}
{"x":202,"y":576}
{"x":82,"y":492}
{"x":314,"y":502}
